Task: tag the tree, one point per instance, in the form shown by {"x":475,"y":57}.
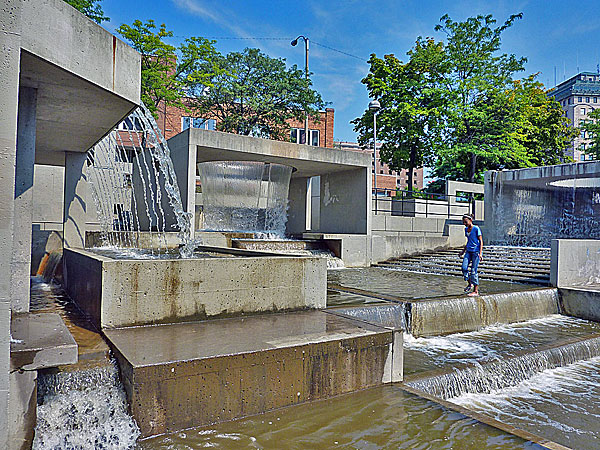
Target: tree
{"x":90,"y":8}
{"x":475,"y":74}
{"x":409,"y":121}
{"x":169,"y":73}
{"x":592,"y":127}
{"x":252,"y":93}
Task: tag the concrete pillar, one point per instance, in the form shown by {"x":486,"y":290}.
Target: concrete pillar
{"x":76,"y":200}
{"x":23,"y":207}
{"x":184,"y":164}
{"x":10,"y":51}
{"x":297,"y":210}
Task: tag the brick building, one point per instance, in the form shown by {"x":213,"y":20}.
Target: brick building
{"x":578,"y":96}
{"x":173,"y":120}
{"x":386,"y":178}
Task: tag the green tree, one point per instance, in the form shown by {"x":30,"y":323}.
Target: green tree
{"x":409,"y":121}
{"x":90,"y":8}
{"x":475,"y":74}
{"x":169,"y":73}
{"x":592,"y":127}
{"x":252,"y":93}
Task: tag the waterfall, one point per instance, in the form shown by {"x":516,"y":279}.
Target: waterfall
{"x":454,"y":315}
{"x":389,"y":315}
{"x":83,"y":409}
{"x":134,"y":185}
{"x":502,"y":373}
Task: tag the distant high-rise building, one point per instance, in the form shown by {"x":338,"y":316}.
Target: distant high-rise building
{"x":578,"y":96}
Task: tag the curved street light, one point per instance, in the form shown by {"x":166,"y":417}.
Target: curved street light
{"x":294,"y":43}
{"x":375,"y":106}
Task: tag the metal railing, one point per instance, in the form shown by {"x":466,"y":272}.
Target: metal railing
{"x":423,"y":204}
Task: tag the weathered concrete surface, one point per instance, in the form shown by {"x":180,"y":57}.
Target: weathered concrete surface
{"x":574,"y":262}
{"x":345,"y":206}
{"x":21,"y":256}
{"x":10,"y":43}
{"x":145,"y":239}
{"x":119,"y":293}
{"x":191,"y":374}
{"x":353,"y":249}
{"x":582,"y":302}
{"x":39,"y":341}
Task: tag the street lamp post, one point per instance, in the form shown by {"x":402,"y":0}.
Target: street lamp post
{"x":294,"y":43}
{"x":375,"y":106}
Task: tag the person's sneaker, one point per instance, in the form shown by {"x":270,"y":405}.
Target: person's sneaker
{"x":468,"y":289}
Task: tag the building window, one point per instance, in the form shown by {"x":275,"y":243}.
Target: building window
{"x":587,"y":99}
{"x":197,"y":122}
{"x":582,"y":157}
{"x":579,"y":99}
{"x":583,"y":135}
{"x":595,"y":99}
{"x":129,"y":124}
{"x":299,"y":132}
{"x":583,"y":111}
{"x":570,"y":101}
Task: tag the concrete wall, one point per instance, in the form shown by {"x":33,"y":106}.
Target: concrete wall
{"x":119,"y":293}
{"x":575,"y":262}
{"x":345,"y":203}
{"x":581,"y":302}
{"x":394,"y":236}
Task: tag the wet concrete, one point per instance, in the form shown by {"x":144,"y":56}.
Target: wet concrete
{"x":192,"y":374}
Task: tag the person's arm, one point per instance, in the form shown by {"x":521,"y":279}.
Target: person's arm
{"x":462,"y":252}
{"x":480,"y":237}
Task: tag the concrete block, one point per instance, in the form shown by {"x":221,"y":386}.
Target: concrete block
{"x":574,"y":262}
{"x":425,"y":224}
{"x":581,"y":302}
{"x":378,"y":222}
{"x":394,"y":223}
{"x":117,"y":293}
{"x":355,"y":250}
{"x":191,"y":374}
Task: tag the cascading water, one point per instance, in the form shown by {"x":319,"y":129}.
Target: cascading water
{"x":245,"y":196}
{"x":502,"y":373}
{"x":83,"y":409}
{"x":134,"y":185}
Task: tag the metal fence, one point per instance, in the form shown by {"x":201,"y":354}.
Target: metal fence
{"x":423,"y":204}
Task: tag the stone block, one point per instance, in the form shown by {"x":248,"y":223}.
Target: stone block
{"x":425,"y":224}
{"x":581,"y":302}
{"x":574,"y":262}
{"x":378,"y":222}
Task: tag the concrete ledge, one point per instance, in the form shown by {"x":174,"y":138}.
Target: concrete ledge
{"x":182,"y":375}
{"x":118,"y":293}
{"x":40,"y":341}
{"x":574,"y":262}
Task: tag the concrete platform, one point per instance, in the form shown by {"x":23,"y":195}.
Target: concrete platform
{"x":192,"y":374}
{"x":581,"y":301}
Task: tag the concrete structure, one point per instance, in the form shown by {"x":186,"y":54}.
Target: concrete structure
{"x":344,"y":183}
{"x":71,"y":62}
{"x":197,"y":373}
{"x":578,"y":96}
{"x":124,"y":292}
{"x":530,"y":207}
{"x":575,"y":262}
{"x":582,"y":302}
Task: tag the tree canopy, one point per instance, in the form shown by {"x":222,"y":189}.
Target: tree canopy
{"x":592,"y":128}
{"x":90,"y":8}
{"x":466,"y":112}
{"x":256,"y":94}
{"x":170,"y":73}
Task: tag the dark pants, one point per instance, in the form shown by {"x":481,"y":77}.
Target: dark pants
{"x":473,"y":259}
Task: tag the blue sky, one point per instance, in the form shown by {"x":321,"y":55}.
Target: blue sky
{"x":552,"y":33}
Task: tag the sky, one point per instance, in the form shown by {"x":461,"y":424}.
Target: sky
{"x":558,"y":37}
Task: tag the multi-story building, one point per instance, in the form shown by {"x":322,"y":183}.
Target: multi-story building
{"x":173,"y":120}
{"x":386,"y":178}
{"x":579,"y":96}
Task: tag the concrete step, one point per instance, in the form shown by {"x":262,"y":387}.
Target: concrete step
{"x":487,"y":267}
{"x":190,"y":374}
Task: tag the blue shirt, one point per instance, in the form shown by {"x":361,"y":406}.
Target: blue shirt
{"x":473,"y":239}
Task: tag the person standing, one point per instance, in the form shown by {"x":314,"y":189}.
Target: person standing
{"x":472,"y":253}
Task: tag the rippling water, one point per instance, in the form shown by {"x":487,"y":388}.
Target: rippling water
{"x":561,"y":404}
{"x":381,"y":418}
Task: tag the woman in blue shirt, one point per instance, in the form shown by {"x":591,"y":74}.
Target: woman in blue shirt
{"x":472,"y":254}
